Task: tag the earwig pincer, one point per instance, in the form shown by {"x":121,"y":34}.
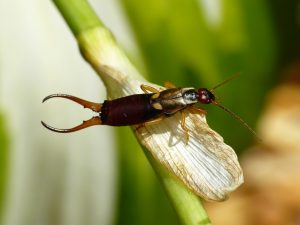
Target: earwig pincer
{"x":144,"y":109}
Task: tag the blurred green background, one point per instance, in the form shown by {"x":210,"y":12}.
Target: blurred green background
{"x":101,"y":176}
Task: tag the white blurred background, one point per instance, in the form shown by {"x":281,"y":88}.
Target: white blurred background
{"x":53,"y":178}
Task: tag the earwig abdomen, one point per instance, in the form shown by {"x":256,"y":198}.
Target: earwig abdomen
{"x":129,"y":110}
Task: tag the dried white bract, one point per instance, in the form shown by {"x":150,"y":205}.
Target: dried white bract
{"x":206,"y":165}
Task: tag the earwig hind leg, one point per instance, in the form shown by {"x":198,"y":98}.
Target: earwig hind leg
{"x":96,"y":107}
{"x":185,"y":129}
{"x":96,"y":120}
{"x":151,"y":122}
{"x":169,"y":85}
{"x":154,"y":121}
{"x":148,"y":89}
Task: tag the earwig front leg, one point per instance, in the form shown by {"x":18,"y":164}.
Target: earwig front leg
{"x":185,"y":129}
{"x":197,"y":110}
{"x":169,"y":85}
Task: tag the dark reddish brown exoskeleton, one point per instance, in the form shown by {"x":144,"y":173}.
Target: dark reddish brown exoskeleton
{"x":144,"y":109}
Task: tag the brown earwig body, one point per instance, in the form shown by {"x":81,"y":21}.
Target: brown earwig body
{"x":129,"y":110}
{"x":146,"y":108}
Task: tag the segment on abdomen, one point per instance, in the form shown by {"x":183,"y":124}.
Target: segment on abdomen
{"x":129,"y":110}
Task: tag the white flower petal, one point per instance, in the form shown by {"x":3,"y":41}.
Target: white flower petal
{"x":206,"y":165}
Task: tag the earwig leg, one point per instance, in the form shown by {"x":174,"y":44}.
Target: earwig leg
{"x":148,"y":89}
{"x":140,"y":126}
{"x":185,"y":129}
{"x":151,"y":122}
{"x":196,"y":110}
{"x":96,"y":107}
{"x":154,"y":121}
{"x":169,"y":85}
{"x":88,"y":123}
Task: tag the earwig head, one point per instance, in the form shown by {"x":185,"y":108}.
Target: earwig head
{"x":205,"y":96}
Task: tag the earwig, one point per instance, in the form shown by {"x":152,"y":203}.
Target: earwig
{"x":147,"y":108}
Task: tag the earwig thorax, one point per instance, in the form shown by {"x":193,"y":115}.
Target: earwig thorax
{"x":190,"y":96}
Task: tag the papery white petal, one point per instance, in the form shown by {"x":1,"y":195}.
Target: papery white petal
{"x":206,"y":165}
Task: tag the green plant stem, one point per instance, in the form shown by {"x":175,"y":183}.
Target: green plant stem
{"x":78,"y":14}
{"x":91,"y":33}
{"x":4,"y":156}
{"x":187,"y":205}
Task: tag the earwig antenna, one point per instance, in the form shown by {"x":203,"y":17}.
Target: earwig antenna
{"x":229,"y":111}
{"x":237,"y":118}
{"x":226,"y":81}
